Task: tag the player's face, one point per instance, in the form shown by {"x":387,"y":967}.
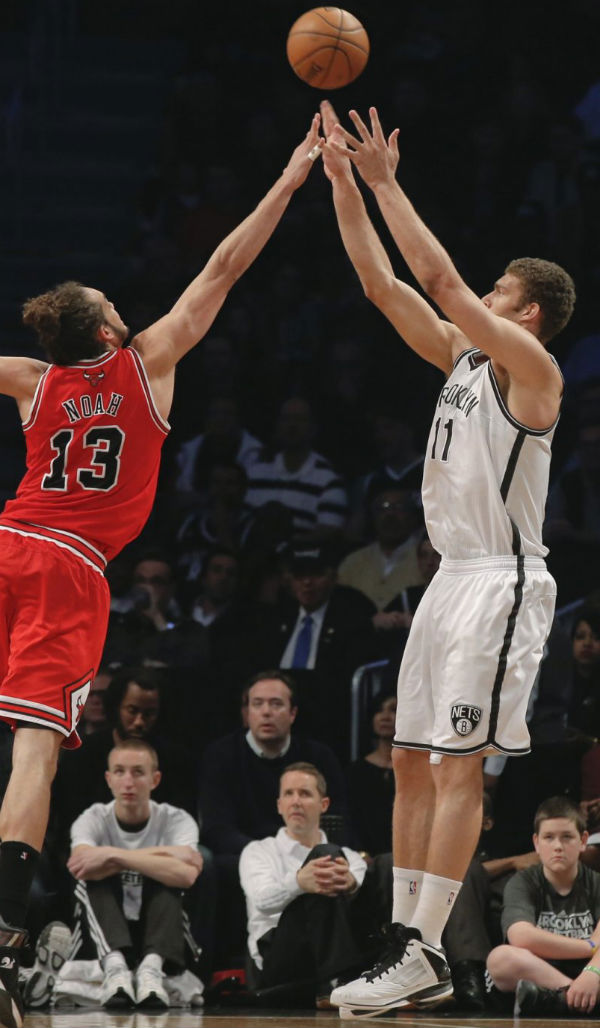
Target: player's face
{"x":112,"y":318}
{"x":559,"y":844}
{"x":300,"y":802}
{"x":130,"y":777}
{"x":138,"y":712}
{"x":270,"y":713}
{"x":586,"y":646}
{"x":506,"y":298}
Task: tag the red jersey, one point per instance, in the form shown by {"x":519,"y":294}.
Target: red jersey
{"x":93,"y":439}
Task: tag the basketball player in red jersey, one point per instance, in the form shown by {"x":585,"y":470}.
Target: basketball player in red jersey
{"x":94,"y":418}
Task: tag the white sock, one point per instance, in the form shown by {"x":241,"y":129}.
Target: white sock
{"x":406,"y":888}
{"x":152,"y":960}
{"x":436,"y":899}
{"x":113,"y":959}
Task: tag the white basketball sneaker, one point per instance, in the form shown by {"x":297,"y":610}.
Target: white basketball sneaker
{"x":410,"y":973}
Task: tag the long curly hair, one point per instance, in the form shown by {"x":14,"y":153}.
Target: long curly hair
{"x":66,"y":322}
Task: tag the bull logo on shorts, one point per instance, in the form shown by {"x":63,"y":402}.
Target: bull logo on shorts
{"x":465,"y":718}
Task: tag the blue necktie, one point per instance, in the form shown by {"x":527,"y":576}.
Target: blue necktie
{"x":302,"y":647}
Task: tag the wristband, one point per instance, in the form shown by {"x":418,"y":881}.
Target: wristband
{"x":593,"y":944}
{"x":593,"y":969}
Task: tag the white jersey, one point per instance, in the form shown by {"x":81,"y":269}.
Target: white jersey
{"x":485,"y":475}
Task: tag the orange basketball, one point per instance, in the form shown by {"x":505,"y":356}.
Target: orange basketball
{"x":327,"y":47}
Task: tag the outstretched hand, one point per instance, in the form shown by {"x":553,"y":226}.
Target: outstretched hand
{"x":375,"y":157}
{"x":305,"y":155}
{"x":334,"y":164}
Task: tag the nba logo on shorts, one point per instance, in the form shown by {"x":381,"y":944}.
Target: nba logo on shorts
{"x":78,"y":698}
{"x":465,"y":718}
{"x":412,"y":888}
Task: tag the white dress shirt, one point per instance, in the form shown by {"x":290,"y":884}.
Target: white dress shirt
{"x":317,"y":624}
{"x":268,"y":869}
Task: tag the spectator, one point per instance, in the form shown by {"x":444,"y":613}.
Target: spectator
{"x":299,"y":479}
{"x":550,"y":920}
{"x":131,"y":859}
{"x":94,"y":714}
{"x":220,"y":521}
{"x":323,"y":632}
{"x":584,"y":708}
{"x":393,"y":623}
{"x":308,"y":916}
{"x":224,"y":440}
{"x":239,"y":786}
{"x":389,"y":564}
{"x":371,"y":781}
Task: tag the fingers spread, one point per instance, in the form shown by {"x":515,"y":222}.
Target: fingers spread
{"x":363,"y":131}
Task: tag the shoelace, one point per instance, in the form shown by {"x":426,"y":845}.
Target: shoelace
{"x":395,"y":938}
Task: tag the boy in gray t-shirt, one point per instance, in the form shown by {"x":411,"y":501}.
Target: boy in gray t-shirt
{"x":550,"y":919}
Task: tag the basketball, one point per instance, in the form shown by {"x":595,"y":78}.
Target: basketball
{"x":327,"y":47}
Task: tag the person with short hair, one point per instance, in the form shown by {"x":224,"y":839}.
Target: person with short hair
{"x":94,"y":416}
{"x":305,"y":921}
{"x":478,"y":635}
{"x":131,"y":859}
{"x":551,"y":920}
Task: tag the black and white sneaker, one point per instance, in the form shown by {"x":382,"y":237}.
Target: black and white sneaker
{"x":52,"y":949}
{"x":410,"y":973}
{"x":11,"y":1004}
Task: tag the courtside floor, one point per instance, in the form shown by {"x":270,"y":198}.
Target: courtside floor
{"x":213,"y":1018}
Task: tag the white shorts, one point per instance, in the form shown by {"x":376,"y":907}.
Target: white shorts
{"x":472,"y":656}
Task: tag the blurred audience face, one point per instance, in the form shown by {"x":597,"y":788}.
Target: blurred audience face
{"x":384,"y":720}
{"x":270,"y":711}
{"x":219,"y":582}
{"x":138,"y":712}
{"x":227,"y":485}
{"x":300,"y":803}
{"x":394,"y":516}
{"x":586,"y":648}
{"x":393,"y":440}
{"x":295,"y":426}
{"x":156,"y":577}
{"x":94,"y":716}
{"x":312,"y":587}
{"x":428,"y":560}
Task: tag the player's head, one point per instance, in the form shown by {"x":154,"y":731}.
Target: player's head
{"x":74,"y":322}
{"x":538,"y":294}
{"x":559,"y":834}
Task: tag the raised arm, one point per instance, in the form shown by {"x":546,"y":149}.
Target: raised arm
{"x":19,"y":377}
{"x":409,"y":313}
{"x":167,"y":340}
{"x":513,"y":347}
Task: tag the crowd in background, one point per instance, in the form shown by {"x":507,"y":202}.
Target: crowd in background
{"x":290,"y":481}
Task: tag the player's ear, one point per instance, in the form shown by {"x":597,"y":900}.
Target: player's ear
{"x":530,"y":313}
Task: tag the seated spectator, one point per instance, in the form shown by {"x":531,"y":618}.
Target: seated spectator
{"x":299,"y":479}
{"x":371,"y":781}
{"x":155,"y":631}
{"x":133,"y":710}
{"x":584,"y":707}
{"x":550,"y":920}
{"x":239,"y":786}
{"x":323,"y":632}
{"x":393,"y":623}
{"x":218,"y":522}
{"x":131,"y":859}
{"x":223,"y":439}
{"x":389,"y":564}
{"x":308,"y":917}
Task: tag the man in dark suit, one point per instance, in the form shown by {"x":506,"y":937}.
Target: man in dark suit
{"x":322,"y":632}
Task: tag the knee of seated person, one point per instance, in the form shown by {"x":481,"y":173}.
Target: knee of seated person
{"x":501,"y":960}
{"x":325,"y":849}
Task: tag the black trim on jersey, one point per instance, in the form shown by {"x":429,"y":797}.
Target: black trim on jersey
{"x":464,"y":353}
{"x":509,"y":417}
{"x":508,"y":636}
{"x":511,"y":465}
{"x":456,"y":752}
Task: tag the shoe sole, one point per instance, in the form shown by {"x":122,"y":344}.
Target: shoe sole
{"x":37,"y":991}
{"x":431,"y":997}
{"x":152,"y":1002}
{"x":120,"y":1001}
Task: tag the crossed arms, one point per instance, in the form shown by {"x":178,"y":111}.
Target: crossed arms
{"x":175,"y":866}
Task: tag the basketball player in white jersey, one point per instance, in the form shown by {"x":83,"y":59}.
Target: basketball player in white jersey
{"x":477,"y":638}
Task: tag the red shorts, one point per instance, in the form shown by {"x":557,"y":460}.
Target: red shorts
{"x":53,"y":616}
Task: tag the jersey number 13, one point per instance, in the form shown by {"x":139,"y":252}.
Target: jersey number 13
{"x":102,"y":473}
